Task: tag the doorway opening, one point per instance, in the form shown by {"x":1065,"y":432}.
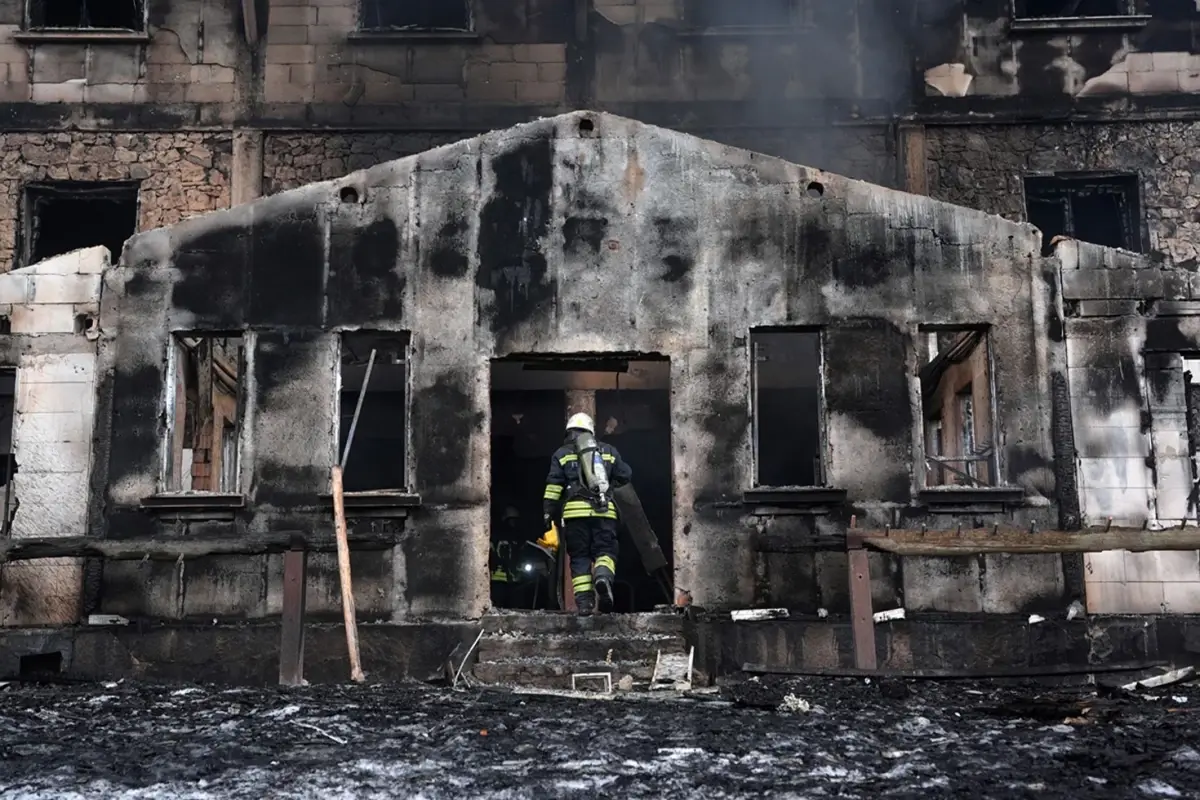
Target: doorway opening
{"x":629,"y":397}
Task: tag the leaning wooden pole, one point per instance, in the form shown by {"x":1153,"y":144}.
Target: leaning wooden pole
{"x":343,"y":545}
{"x":343,"y":551}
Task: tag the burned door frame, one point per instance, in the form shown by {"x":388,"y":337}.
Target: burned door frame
{"x":577,"y":362}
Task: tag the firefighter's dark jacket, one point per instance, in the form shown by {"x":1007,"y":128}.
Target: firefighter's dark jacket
{"x":566,"y":490}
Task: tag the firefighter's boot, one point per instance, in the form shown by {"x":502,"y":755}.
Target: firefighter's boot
{"x":605,"y":592}
{"x":585,"y":603}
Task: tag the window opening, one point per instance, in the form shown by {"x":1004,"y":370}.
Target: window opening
{"x":1100,"y":210}
{"x":122,"y":15}
{"x":1041,"y":9}
{"x":957,"y":398}
{"x":415,"y":15}
{"x":788,"y":408}
{"x":205,"y":406}
{"x":69,"y":215}
{"x":378,"y":455}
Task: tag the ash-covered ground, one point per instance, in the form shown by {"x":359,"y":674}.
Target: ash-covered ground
{"x":772,"y":738}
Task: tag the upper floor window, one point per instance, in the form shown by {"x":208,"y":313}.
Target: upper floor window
{"x":1101,"y":209}
{"x":789,"y":431}
{"x":414,"y":15}
{"x":724,"y":14}
{"x":86,"y":15}
{"x":1043,"y":9}
{"x":60,"y":216}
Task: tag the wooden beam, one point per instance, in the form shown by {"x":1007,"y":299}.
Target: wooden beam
{"x":976,"y":541}
{"x":1055,"y":670}
{"x":174,"y":549}
{"x":343,"y":551}
{"x":862,"y":620}
{"x":915,"y":159}
{"x":291,"y":638}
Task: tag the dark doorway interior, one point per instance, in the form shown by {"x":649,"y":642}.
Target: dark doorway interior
{"x":69,"y":215}
{"x":531,"y":401}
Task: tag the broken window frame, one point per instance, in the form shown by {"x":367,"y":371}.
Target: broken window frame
{"x":963,"y":466}
{"x":364,"y":26}
{"x":404,"y":340}
{"x":800,"y":15}
{"x":1068,"y":185}
{"x":821,"y":465}
{"x":35,"y":193}
{"x":1020,"y":11}
{"x":169,"y":482}
{"x":141,"y":15}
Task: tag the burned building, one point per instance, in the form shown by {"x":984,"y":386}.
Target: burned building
{"x":798,"y":349}
{"x":782,"y":352}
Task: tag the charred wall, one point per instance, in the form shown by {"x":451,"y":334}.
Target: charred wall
{"x":591,"y":233}
{"x":1132,"y":329}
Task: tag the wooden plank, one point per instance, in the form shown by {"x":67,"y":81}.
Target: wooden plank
{"x":916,"y":180}
{"x":638,"y":524}
{"x":862,"y":619}
{"x":291,"y":640}
{"x":173,"y":549}
{"x":951,"y":674}
{"x":1022,"y":540}
{"x":343,"y":551}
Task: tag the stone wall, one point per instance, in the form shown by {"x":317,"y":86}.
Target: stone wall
{"x":181,"y":174}
{"x":982,"y":167}
{"x":292,"y":160}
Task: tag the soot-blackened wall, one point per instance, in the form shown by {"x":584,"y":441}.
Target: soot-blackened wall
{"x":579,"y":234}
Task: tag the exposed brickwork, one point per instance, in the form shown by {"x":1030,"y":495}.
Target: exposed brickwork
{"x":982,"y":167}
{"x":181,"y":174}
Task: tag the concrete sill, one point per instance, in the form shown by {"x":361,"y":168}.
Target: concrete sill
{"x":1058,"y":24}
{"x":80,"y":35}
{"x":988,"y":496}
{"x":795,"y":497}
{"x":193,"y":501}
{"x":382,"y":500}
{"x":383,"y":37}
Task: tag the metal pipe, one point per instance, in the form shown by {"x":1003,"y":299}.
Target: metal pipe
{"x":358,"y":409}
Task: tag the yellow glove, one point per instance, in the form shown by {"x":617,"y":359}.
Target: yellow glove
{"x":549,"y":539}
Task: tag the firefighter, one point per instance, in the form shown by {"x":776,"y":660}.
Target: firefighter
{"x":583,"y":473}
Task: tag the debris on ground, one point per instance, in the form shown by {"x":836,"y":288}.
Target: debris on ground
{"x":858,"y":739}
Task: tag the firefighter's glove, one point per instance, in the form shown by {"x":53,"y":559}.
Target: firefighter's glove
{"x":547,"y":523}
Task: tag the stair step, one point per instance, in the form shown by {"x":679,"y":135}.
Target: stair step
{"x":562,"y":623}
{"x":555,"y":674}
{"x":499,"y":647}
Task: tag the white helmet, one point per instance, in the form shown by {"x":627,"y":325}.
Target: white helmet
{"x":581,"y":422}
